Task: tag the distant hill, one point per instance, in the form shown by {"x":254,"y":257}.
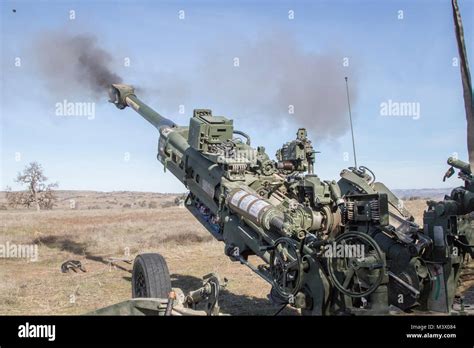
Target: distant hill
{"x":426,"y":193}
{"x":70,"y":199}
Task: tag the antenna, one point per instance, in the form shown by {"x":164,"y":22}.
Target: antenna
{"x":466,"y":82}
{"x":350,"y":119}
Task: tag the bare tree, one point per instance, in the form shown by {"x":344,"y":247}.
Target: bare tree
{"x":38,"y":193}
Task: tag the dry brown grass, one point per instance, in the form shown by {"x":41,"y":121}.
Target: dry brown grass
{"x":94,"y":235}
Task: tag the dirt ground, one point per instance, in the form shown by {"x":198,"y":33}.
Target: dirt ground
{"x":99,"y":226}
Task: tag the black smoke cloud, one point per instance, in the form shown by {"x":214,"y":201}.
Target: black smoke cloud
{"x":276,"y":80}
{"x":74,"y":63}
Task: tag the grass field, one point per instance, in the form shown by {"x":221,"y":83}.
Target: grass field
{"x":99,"y":226}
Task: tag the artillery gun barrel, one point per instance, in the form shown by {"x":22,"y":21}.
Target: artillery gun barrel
{"x":124,"y":95}
{"x":461,"y":165}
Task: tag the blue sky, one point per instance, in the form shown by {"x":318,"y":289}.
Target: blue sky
{"x":409,"y":60}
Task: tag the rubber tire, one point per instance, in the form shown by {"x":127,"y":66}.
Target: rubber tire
{"x":157,"y":281}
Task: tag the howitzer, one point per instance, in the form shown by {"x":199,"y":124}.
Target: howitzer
{"x":450,"y":224}
{"x":328,"y":247}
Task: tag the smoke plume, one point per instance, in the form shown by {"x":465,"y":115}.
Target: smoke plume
{"x":272,"y":80}
{"x":74,"y":63}
{"x":281,"y":83}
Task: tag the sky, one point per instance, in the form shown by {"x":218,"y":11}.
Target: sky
{"x":181,"y":54}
